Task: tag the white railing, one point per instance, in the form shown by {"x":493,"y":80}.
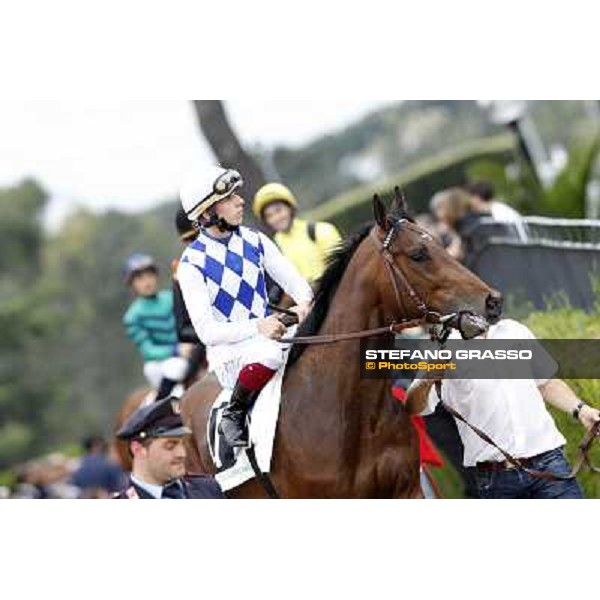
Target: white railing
{"x":572,"y":233}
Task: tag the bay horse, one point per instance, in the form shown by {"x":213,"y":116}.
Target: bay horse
{"x":340,"y":436}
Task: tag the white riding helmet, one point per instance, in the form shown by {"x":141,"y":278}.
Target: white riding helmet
{"x":205,"y":187}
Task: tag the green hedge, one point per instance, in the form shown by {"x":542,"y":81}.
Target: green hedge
{"x":570,"y":323}
{"x":420,"y":181}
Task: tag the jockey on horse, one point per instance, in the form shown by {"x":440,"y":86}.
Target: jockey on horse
{"x":222,"y":279}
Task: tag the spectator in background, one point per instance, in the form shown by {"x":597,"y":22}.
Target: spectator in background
{"x":481,"y":201}
{"x":150,"y":324}
{"x":46,"y":478}
{"x":97,"y":476}
{"x":437,"y":230}
{"x":305,"y":244}
{"x":456,"y":222}
{"x":29,"y":483}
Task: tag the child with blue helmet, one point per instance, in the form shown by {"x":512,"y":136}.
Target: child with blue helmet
{"x":150,"y":324}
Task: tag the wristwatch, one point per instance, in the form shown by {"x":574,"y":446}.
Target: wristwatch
{"x":577,"y":410}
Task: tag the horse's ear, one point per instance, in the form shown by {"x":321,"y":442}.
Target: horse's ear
{"x":380,"y":212}
{"x":400,"y":201}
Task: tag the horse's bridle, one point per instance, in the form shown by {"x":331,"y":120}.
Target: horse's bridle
{"x":395,"y":274}
{"x":468,"y":323}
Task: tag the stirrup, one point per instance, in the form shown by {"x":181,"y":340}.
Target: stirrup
{"x":242,"y":441}
{"x":243,"y":434}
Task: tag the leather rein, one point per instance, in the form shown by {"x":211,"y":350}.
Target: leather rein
{"x":582,"y":459}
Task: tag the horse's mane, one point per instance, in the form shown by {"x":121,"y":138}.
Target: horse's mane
{"x":327,"y":285}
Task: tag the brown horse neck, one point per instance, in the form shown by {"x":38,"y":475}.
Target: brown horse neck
{"x":333,"y":420}
{"x":356,"y":305}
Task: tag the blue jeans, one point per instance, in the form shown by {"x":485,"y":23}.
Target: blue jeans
{"x":512,"y":483}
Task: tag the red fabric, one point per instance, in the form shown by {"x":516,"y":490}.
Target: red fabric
{"x":255,"y":376}
{"x":428,"y":452}
{"x":400,"y":394}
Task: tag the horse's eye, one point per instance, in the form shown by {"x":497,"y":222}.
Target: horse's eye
{"x":419,"y":255}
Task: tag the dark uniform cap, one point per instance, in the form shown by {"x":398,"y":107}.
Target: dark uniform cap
{"x":159,"y":419}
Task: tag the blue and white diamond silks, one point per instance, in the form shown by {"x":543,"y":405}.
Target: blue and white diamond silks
{"x":233,"y":271}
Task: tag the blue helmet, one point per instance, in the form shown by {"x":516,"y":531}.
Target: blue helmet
{"x":137,"y":263}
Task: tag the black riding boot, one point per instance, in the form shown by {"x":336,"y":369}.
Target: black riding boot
{"x":234,"y":426}
{"x":165,"y":388}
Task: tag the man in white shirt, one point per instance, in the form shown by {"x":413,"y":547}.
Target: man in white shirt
{"x":513,"y":413}
{"x":222,"y":275}
{"x":482,"y":202}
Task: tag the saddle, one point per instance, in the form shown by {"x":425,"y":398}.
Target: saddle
{"x":233,"y":465}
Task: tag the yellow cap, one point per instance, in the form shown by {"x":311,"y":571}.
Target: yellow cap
{"x":272,"y":192}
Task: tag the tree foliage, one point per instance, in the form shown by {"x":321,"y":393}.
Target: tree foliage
{"x":65,"y":363}
{"x":225,"y":144}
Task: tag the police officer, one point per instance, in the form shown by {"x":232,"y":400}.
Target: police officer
{"x":155,"y":435}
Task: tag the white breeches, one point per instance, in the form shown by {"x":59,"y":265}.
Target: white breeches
{"x":259,"y":349}
{"x":173,"y":368}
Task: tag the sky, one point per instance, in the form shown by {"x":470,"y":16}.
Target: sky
{"x":133,"y":154}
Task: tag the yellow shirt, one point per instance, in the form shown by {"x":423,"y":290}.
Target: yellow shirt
{"x":307,"y":256}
